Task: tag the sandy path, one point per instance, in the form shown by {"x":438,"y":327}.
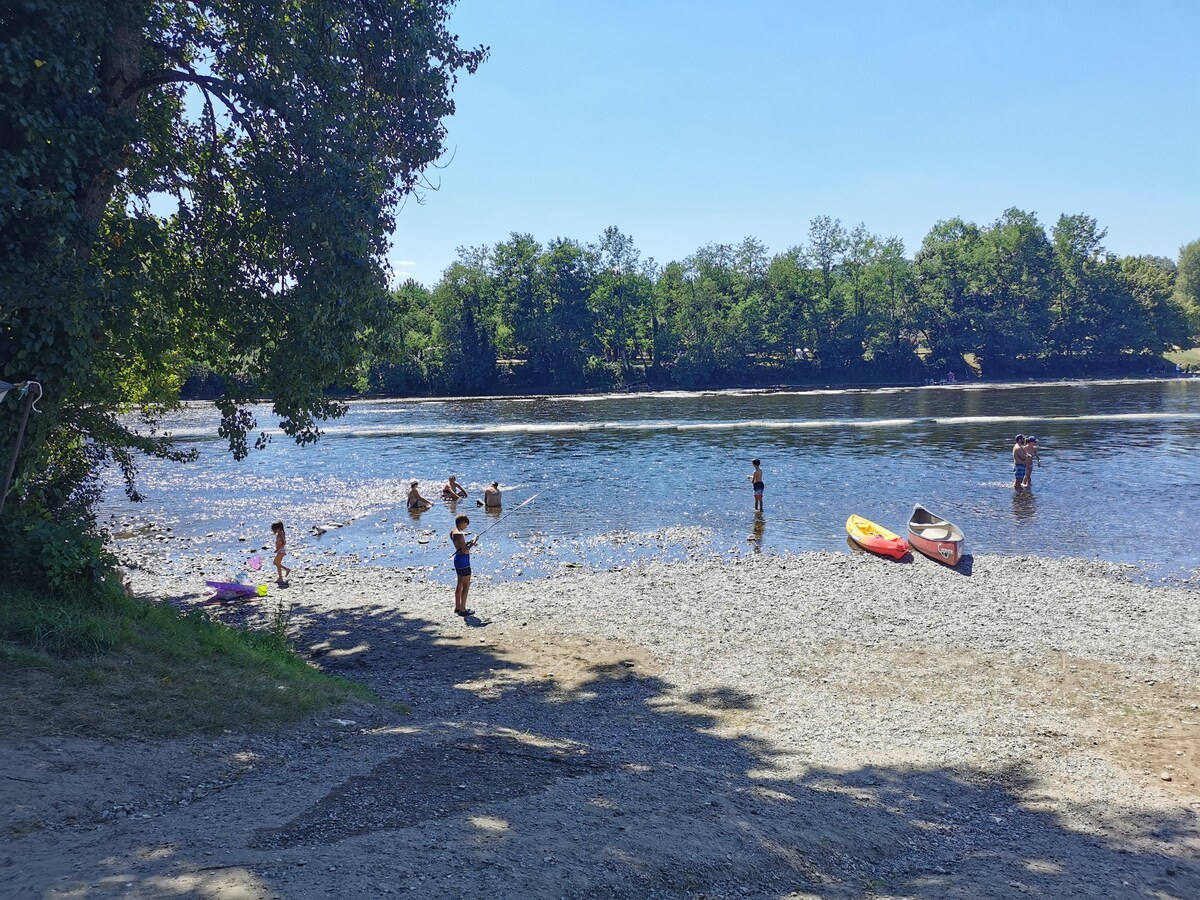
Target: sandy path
{"x":824,"y":724}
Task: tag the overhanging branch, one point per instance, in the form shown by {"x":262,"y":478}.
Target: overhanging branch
{"x":211,"y":85}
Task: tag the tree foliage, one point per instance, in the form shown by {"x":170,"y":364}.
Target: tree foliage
{"x":204,"y":183}
{"x":847,"y":305}
{"x":1186,"y":299}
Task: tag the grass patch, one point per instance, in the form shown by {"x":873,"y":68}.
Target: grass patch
{"x":117,"y":667}
{"x":1188,"y":359}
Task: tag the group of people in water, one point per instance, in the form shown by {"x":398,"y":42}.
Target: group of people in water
{"x":452,"y":492}
{"x":1025,"y":455}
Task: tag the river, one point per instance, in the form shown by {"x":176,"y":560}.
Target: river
{"x":626,"y":477}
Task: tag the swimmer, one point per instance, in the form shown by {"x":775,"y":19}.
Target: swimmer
{"x":280,"y":552}
{"x":1031,"y":456}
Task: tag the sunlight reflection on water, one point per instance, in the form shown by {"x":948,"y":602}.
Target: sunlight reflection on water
{"x":626,"y":477}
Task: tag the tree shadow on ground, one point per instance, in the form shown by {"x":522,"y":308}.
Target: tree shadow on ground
{"x":600,"y":777}
{"x":608,"y":780}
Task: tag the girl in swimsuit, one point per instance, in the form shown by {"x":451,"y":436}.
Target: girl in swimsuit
{"x":280,"y":552}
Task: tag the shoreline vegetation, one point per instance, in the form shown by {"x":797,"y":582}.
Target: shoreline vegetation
{"x":893,"y":720}
{"x":1007,"y":300}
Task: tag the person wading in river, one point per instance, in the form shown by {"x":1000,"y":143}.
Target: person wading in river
{"x":416,"y":503}
{"x":492,"y":496}
{"x":1020,"y":462}
{"x":756,"y":479}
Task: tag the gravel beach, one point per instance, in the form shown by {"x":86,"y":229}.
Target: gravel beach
{"x":811,"y":725}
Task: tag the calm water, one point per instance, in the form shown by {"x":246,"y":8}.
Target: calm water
{"x":621,"y":477}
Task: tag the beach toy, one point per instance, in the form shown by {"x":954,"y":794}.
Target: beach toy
{"x":233,"y":588}
{"x":255,"y":562}
{"x":262,"y":590}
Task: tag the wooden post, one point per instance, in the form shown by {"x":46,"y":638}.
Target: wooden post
{"x":12,"y":462}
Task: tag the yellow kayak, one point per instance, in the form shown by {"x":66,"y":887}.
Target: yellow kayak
{"x":875,"y":538}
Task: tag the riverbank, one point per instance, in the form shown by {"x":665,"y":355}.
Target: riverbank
{"x":821,"y":724}
{"x":1188,"y":360}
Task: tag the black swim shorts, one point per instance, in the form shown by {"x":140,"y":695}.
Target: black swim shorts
{"x":466,"y":570}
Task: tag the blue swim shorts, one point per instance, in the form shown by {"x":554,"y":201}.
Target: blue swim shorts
{"x":1019,"y":472}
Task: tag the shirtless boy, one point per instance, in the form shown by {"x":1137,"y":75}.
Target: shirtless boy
{"x":416,"y":503}
{"x":1031,"y":456}
{"x":492,"y":496}
{"x":756,"y":479}
{"x":452,"y":490}
{"x":462,"y":564}
{"x":1020,"y":462}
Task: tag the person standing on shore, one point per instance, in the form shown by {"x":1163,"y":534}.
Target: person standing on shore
{"x":1031,"y":456}
{"x":462,"y":564}
{"x":280,"y":551}
{"x":1020,"y":462}
{"x":756,"y":479}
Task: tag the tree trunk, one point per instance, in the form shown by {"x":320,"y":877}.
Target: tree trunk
{"x":120,"y":66}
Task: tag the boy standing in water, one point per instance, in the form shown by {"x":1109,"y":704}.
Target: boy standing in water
{"x":1020,"y":462}
{"x":462,"y":564}
{"x":280,"y":552}
{"x":756,"y":478}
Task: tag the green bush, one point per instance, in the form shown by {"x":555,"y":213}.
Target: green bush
{"x":68,"y":555}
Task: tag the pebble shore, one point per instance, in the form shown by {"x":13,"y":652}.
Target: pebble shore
{"x":813,"y":725}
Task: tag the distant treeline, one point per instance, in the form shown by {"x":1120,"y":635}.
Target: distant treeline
{"x":846,"y":306}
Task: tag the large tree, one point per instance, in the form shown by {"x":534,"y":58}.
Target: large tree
{"x":1187,"y":289}
{"x":210,"y":181}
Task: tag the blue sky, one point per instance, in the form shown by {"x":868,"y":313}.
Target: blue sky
{"x":684,"y":123}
